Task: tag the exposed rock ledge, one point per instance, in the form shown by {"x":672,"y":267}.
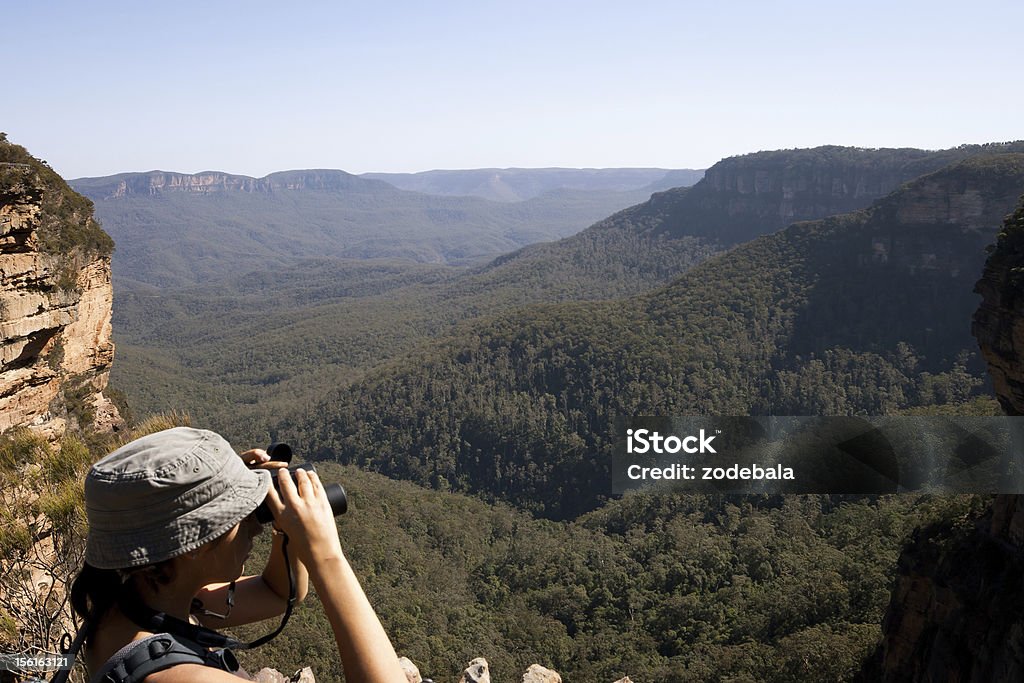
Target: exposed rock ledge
{"x":55,"y":333}
{"x":999,"y":321}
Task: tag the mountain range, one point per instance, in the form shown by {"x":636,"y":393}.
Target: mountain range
{"x":242,"y":350}
{"x":176,"y":229}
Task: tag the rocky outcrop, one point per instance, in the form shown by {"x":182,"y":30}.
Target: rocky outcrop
{"x":412,"y":672}
{"x":55,"y":303}
{"x":812,"y":185}
{"x":478,"y":671}
{"x":539,"y":674}
{"x":274,"y":676}
{"x":957,"y":610}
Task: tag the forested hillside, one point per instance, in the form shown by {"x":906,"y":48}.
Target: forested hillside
{"x":861,"y":313}
{"x":738,"y":199}
{"x":689,"y":589}
{"x":865,"y":312}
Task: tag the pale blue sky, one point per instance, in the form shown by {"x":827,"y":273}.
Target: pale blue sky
{"x":253,"y":87}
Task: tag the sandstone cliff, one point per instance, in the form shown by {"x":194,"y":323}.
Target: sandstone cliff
{"x":755,"y":194}
{"x":55,"y":301}
{"x":999,"y":322}
{"x":957,"y":609}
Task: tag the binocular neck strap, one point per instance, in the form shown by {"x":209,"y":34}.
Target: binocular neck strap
{"x":160,"y":622}
{"x":288,"y":608}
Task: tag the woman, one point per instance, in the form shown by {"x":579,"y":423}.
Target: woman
{"x":171,"y":522}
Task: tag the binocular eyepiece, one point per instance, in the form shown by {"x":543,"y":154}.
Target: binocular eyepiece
{"x":282,"y":452}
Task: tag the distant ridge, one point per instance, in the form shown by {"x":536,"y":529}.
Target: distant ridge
{"x":502,"y":185}
{"x":176,"y":229}
{"x":518,"y":184}
{"x":151,"y":183}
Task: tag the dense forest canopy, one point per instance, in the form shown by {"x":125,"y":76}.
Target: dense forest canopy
{"x":860,"y":313}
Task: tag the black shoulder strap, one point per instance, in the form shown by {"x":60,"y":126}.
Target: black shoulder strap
{"x":158,"y":652}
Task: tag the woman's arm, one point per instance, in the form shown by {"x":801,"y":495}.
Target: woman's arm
{"x":256,"y":597}
{"x":303,"y":511}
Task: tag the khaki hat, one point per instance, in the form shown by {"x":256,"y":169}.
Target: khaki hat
{"x":164,"y":495}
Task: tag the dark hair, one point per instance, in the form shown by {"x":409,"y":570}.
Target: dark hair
{"x":95,"y":591}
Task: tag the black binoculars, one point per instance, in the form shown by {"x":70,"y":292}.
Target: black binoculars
{"x":282,"y":452}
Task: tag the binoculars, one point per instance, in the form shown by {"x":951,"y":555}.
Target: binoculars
{"x":282,"y":452}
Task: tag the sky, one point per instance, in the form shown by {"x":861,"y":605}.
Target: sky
{"x":97,"y":88}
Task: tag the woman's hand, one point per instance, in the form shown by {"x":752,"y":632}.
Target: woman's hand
{"x":257,"y":459}
{"x":302,"y":511}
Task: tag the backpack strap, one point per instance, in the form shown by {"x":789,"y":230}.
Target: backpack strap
{"x":140,"y":658}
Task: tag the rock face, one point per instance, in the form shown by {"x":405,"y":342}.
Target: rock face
{"x":55,"y":302}
{"x":412,"y":672}
{"x":957,"y":611}
{"x":999,"y":322}
{"x":274,"y":676}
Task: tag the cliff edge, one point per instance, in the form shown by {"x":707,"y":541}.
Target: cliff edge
{"x":55,"y":302}
{"x":957,"y":609}
{"x":999,"y":321}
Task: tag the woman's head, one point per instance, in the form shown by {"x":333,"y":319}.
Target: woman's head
{"x":166,"y":495}
{"x":174,"y":505}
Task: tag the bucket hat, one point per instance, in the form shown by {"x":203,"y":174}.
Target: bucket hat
{"x":164,"y":495}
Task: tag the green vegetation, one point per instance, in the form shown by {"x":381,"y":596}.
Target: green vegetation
{"x":662,"y":588}
{"x":43,"y":527}
{"x":67,"y":229}
{"x":241,"y":351}
{"x":814,"y":319}
{"x":687,"y":588}
{"x":42,"y":534}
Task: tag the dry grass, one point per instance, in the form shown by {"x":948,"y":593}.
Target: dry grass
{"x":155,"y":423}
